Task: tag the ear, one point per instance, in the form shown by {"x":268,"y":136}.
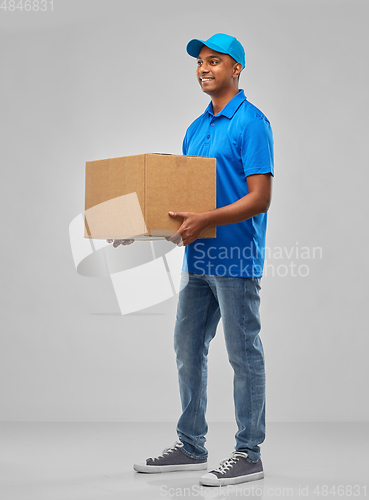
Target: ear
{"x":237,"y":68}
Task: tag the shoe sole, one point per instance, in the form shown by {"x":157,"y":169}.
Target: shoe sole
{"x":214,"y":481}
{"x":155,"y":469}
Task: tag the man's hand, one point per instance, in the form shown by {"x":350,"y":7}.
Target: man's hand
{"x":192,"y":227}
{"x":116,"y":243}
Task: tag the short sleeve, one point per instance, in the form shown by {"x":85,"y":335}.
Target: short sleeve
{"x":257,"y":147}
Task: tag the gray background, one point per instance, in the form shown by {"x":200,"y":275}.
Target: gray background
{"x":93,"y":80}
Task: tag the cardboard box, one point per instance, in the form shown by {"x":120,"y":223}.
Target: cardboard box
{"x":130,"y":196}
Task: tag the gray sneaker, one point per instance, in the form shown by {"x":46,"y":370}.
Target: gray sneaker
{"x":235,"y":469}
{"x":171,"y":460}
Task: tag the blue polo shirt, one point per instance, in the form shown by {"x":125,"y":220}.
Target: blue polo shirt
{"x":240,"y":138}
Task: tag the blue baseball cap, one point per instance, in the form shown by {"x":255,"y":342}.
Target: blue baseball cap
{"x":220,"y":42}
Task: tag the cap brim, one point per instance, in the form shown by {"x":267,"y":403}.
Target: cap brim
{"x":194,"y":47}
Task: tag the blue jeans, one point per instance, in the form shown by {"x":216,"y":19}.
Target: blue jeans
{"x":202,"y":302}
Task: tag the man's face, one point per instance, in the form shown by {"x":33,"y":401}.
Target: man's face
{"x":216,"y":71}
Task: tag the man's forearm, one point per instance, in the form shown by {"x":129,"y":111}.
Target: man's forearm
{"x":243,"y":209}
{"x":254,"y":203}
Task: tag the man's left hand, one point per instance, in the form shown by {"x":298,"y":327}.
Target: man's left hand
{"x":192,"y":226}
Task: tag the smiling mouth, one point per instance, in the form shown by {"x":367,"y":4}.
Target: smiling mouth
{"x":206,"y":79}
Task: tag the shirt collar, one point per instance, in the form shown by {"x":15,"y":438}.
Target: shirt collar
{"x":231,"y":107}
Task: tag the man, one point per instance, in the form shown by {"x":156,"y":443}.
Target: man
{"x":223,"y":273}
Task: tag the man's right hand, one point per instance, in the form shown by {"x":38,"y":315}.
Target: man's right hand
{"x":116,"y":243}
